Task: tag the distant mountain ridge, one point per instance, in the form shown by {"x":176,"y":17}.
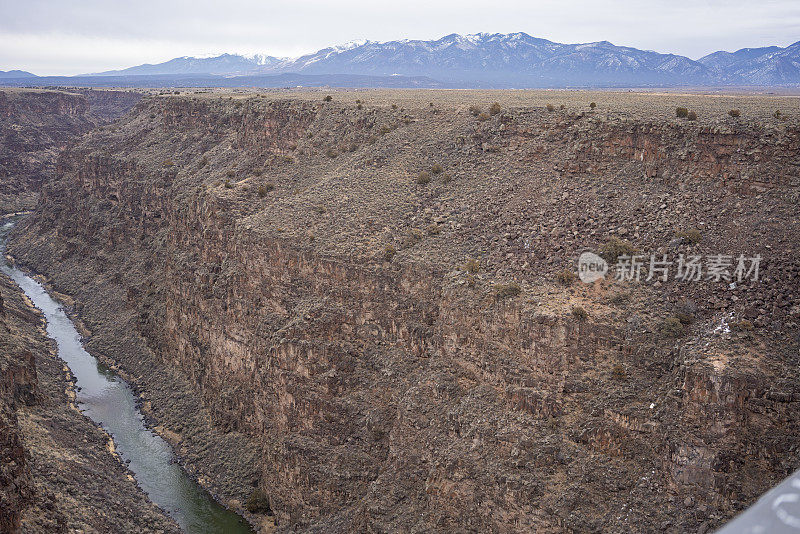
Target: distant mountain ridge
{"x":13,"y":74}
{"x":514,"y":59}
{"x":501,"y":60}
{"x":770,"y":65}
{"x":224,"y":65}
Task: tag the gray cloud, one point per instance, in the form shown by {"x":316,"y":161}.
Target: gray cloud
{"x":92,"y":35}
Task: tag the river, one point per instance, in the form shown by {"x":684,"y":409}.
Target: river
{"x":109,"y":401}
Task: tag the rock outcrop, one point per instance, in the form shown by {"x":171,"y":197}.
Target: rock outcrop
{"x":281,"y":273}
{"x":36,"y":124}
{"x":57,"y":472}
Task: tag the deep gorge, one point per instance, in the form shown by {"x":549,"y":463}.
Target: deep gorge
{"x":280,"y":346}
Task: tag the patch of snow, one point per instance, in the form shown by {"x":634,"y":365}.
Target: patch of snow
{"x":349,"y":45}
{"x":475,"y":38}
{"x":723,"y":327}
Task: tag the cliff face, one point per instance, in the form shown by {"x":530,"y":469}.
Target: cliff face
{"x":107,"y":104}
{"x":57,"y":473}
{"x":746,"y":158}
{"x":278,"y":268}
{"x":17,"y":386}
{"x":35,"y":125}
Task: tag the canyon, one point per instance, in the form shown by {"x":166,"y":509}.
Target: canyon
{"x":366,"y":307}
{"x":59,"y":471}
{"x":36,"y":124}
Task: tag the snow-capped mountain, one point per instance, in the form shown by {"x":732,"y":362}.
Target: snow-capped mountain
{"x":770,"y":65}
{"x":225,"y":64}
{"x":505,"y":60}
{"x":510,"y":59}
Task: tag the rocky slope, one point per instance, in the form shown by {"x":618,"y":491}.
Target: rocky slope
{"x":58,"y":473}
{"x":35,"y":125}
{"x":382,"y":349}
{"x":17,"y":385}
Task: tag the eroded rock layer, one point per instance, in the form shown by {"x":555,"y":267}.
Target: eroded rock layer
{"x":367,"y":310}
{"x":36,"y":124}
{"x":58,"y":472}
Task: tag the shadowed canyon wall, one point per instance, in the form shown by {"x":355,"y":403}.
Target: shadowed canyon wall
{"x":36,"y":124}
{"x":276,"y":266}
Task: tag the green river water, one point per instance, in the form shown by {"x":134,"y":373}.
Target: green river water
{"x":109,"y":401}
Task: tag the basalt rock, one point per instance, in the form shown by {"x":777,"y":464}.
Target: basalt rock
{"x":368,"y":391}
{"x":17,"y":387}
{"x":36,"y":124}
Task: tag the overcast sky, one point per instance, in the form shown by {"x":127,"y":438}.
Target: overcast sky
{"x":75,"y":37}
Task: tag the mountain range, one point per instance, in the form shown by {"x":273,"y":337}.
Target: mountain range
{"x":485,"y":60}
{"x":14,"y":74}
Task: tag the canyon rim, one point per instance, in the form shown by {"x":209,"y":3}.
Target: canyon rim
{"x":446,"y":267}
{"x":363,"y":306}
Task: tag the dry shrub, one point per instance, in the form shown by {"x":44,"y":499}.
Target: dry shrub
{"x":472,"y":265}
{"x":502,"y":291}
{"x":618,"y":372}
{"x":258,"y":503}
{"x":263,"y":189}
{"x":692,"y":236}
{"x":566,"y":277}
{"x":672,"y":327}
{"x":616,"y":247}
{"x":434,"y":229}
{"x":579,"y":313}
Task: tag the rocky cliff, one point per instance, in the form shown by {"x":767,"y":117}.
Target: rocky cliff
{"x":17,"y":385}
{"x":369,"y":310}
{"x":36,"y":124}
{"x":57,"y":472}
